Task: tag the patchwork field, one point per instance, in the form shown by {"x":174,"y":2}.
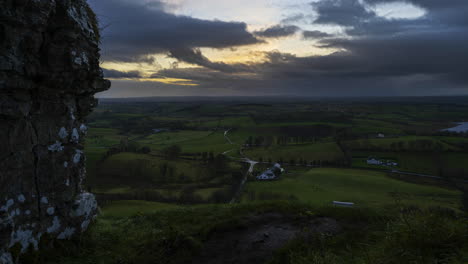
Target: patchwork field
{"x":310,"y":152}
{"x":128,"y":160}
{"x":320,"y":187}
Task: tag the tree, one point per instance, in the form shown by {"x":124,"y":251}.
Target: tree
{"x":220,"y":164}
{"x":249,"y":141}
{"x":269,"y":141}
{"x":172,"y":152}
{"x":163,"y":171}
{"x":133,"y":146}
{"x":145,"y":150}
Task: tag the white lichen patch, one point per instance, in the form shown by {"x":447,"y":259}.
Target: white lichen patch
{"x":55,"y":225}
{"x":21,"y":198}
{"x":44,"y":200}
{"x":50,"y":210}
{"x":77,"y":156}
{"x":83,"y":129}
{"x":67,"y":233}
{"x":5,"y":258}
{"x":85,"y":224}
{"x":57,"y":147}
{"x":65,"y":164}
{"x":72,"y":113}
{"x":75,"y":137}
{"x":63,"y":133}
{"x":67,"y":182}
{"x":80,"y":16}
{"x":84,"y":58}
{"x":28,"y":212}
{"x":86,"y":205}
{"x":24,"y":238}
{"x":78,"y":61}
{"x":81,"y":59}
{"x":7,"y":206}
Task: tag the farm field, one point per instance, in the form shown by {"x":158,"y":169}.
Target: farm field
{"x":425,"y":163}
{"x":322,"y":186}
{"x":310,"y":152}
{"x":187,"y":153}
{"x":127,"y":208}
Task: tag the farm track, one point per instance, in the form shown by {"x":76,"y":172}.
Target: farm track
{"x":252,"y":163}
{"x":245,"y":159}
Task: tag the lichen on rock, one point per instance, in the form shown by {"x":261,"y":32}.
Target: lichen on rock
{"x":49,"y":73}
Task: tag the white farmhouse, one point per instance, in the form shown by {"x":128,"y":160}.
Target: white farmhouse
{"x":271,"y":174}
{"x":267,"y":175}
{"x":373,"y":161}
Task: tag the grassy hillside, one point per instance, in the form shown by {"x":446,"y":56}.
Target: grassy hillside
{"x":207,"y":234}
{"x":310,"y":152}
{"x":373,"y":189}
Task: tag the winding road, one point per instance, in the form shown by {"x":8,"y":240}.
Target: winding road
{"x":244,"y":159}
{"x":252,"y":163}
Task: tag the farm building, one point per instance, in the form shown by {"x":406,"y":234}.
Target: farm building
{"x":373,"y":161}
{"x":159,"y":130}
{"x":271,"y":173}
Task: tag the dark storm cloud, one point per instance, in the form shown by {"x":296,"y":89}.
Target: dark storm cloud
{"x":133,"y":30}
{"x":341,"y":12}
{"x":315,"y":34}
{"x":120,"y":74}
{"x":194,"y":56}
{"x":434,"y":44}
{"x":379,"y":56}
{"x":277,"y":31}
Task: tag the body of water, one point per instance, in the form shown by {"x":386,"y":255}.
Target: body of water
{"x":462,"y":127}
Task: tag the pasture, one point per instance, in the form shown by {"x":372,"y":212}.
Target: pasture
{"x":319,"y":187}
{"x":126,"y":157}
{"x":309,"y":152}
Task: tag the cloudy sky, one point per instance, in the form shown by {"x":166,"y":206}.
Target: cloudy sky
{"x":284,"y":47}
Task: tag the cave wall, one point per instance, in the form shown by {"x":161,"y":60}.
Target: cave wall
{"x":49,"y":73}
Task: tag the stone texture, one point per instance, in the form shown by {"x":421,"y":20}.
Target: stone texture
{"x":49,"y":73}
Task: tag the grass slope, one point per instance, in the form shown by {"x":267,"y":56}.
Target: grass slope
{"x":365,"y":188}
{"x":179,"y":235}
{"x":310,"y":152}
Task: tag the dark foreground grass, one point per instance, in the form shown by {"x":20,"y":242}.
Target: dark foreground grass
{"x":415,"y":236}
{"x":178,"y":236}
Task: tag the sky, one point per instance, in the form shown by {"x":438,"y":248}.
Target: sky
{"x":317,"y":48}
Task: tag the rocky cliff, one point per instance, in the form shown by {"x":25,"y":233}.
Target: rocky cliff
{"x":49,"y":73}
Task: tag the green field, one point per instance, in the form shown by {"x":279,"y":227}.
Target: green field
{"x":164,"y":139}
{"x":418,"y":162}
{"x":309,"y":152}
{"x":295,"y":132}
{"x":365,"y":188}
{"x":121,"y":209}
{"x":130,"y":168}
{"x":406,"y":143}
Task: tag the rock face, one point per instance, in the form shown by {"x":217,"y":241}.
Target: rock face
{"x":49,"y":73}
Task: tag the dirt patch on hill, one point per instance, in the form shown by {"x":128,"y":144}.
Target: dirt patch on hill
{"x":257,"y":240}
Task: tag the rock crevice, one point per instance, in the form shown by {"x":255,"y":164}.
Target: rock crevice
{"x":49,"y":73}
